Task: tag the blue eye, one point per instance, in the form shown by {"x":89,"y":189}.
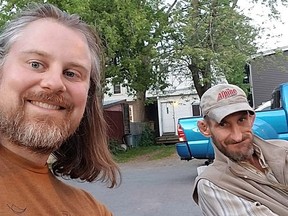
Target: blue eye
{"x":35,"y":64}
{"x":69,"y":73}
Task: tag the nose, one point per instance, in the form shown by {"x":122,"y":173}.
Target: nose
{"x":236,"y":133}
{"x":52,"y":81}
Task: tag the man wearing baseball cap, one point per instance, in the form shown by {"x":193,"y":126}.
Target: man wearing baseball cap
{"x":249,"y":175}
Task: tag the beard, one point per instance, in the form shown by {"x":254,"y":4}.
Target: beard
{"x":40,"y":134}
{"x":237,"y":156}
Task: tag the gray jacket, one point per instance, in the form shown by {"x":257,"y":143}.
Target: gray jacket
{"x":232,"y":177}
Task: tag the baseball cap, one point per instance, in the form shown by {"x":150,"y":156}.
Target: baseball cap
{"x":222,"y":100}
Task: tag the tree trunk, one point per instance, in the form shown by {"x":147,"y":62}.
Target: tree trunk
{"x":139,"y":107}
{"x":200,"y":86}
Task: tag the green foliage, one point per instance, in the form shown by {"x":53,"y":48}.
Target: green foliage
{"x":199,"y":40}
{"x":145,"y":153}
{"x":132,"y":31}
{"x":115,"y":147}
{"x":212,"y":40}
{"x":147,"y":137}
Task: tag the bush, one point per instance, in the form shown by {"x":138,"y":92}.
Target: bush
{"x":115,"y":147}
{"x":147,"y":137}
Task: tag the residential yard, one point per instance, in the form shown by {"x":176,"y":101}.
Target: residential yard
{"x":145,"y":153}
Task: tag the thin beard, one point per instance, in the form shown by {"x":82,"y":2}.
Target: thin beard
{"x":235,"y":156}
{"x":41,"y":137}
{"x":241,"y":157}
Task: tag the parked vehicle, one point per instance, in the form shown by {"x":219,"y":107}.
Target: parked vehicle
{"x":269,"y":124}
{"x":264,"y":106}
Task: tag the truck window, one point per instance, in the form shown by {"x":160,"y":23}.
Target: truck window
{"x":276,"y":100}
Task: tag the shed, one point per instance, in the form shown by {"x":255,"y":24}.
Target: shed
{"x":116,"y":114}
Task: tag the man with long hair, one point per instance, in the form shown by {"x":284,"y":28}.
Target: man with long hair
{"x":50,"y":104}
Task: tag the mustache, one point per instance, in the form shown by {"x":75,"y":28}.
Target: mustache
{"x":244,"y":137}
{"x":49,"y":97}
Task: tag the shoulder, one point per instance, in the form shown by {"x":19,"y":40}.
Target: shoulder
{"x":83,"y":198}
{"x":211,"y":172}
{"x":214,"y":170}
{"x":274,"y":142}
{"x":279,"y":142}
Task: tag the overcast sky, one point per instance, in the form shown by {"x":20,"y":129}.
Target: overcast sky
{"x":276,"y":32}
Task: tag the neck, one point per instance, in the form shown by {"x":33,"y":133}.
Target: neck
{"x":254,"y":161}
{"x":39,"y":159}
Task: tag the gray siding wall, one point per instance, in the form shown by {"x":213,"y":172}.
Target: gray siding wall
{"x":266,"y":73}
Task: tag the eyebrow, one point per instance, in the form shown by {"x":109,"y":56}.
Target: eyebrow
{"x":37,"y":52}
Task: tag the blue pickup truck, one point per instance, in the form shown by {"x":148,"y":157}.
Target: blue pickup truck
{"x":269,"y":124}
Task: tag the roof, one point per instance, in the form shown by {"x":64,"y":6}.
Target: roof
{"x":111,"y":103}
{"x":269,"y":52}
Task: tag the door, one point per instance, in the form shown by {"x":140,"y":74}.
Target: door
{"x":168,"y":117}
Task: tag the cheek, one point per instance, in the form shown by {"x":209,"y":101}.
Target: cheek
{"x":15,"y":79}
{"x":79,"y":95}
{"x":219,"y":135}
{"x":219,"y":138}
{"x":10,"y":89}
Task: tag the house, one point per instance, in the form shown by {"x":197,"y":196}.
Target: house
{"x":120,"y":128}
{"x":175,"y":104}
{"x":177,"y":101}
{"x":265,"y":71}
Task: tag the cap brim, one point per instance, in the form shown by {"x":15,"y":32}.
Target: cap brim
{"x":221,"y":112}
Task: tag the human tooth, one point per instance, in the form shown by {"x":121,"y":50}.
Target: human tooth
{"x":45,"y":105}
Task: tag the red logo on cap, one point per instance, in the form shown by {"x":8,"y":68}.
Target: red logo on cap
{"x":226,"y":94}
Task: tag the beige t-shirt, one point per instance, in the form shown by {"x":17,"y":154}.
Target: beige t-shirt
{"x":27,"y":189}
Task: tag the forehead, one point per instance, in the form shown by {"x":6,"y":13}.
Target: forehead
{"x":61,"y":41}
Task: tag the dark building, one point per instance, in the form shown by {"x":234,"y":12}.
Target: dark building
{"x":265,"y":72}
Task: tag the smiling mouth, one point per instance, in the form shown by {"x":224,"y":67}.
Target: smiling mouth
{"x":46,"y":105}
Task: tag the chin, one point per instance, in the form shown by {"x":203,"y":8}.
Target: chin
{"x":241,"y":155}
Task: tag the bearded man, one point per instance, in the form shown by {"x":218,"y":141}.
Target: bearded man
{"x":50,"y":104}
{"x":249,"y":175}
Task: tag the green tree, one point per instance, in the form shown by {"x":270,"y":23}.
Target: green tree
{"x":201,"y":40}
{"x":212,"y":39}
{"x":132,"y":31}
{"x":9,"y":7}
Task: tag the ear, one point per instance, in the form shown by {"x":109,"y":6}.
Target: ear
{"x":204,"y":128}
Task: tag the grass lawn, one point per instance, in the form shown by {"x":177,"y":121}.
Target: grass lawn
{"x":153,"y":152}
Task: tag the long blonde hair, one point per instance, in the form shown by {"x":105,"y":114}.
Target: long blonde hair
{"x":85,"y":155}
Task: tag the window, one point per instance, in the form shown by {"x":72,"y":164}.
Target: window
{"x":276,"y":99}
{"x":196,"y":110}
{"x":117,"y":88}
